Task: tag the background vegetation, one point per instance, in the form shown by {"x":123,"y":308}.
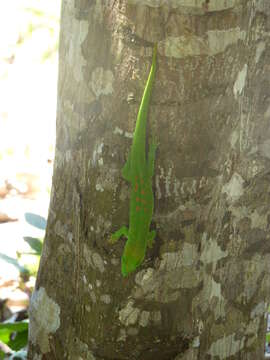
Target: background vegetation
{"x":28,"y":83}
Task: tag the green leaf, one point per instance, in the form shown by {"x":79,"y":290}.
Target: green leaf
{"x":20,"y":337}
{"x":14,"y":326}
{"x":13,"y":262}
{"x":2,"y":354}
{"x":19,"y":341}
{"x":36,"y":220}
{"x":4,"y":335}
{"x":34,"y":243}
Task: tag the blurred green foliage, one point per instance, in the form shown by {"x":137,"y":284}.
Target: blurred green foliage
{"x":36,"y":248}
{"x":15,"y":334}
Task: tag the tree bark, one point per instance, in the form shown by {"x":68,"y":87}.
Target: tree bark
{"x":202,"y":291}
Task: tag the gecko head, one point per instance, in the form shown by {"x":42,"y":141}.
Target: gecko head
{"x":129,"y":264}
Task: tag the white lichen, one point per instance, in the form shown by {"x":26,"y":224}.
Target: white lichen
{"x":158,"y":189}
{"x":258,"y":310}
{"x":142,"y":277}
{"x":68,"y":156}
{"x":129,"y":314}
{"x":93,"y":259}
{"x":234,"y":188}
{"x":259,"y":220}
{"x":115,"y":261}
{"x":70,"y":237}
{"x":106,"y":299}
{"x":144,"y":318}
{"x":118,"y":131}
{"x":183,"y":46}
{"x":211,"y":251}
{"x":234,"y":138}
{"x":102,"y":82}
{"x":98,"y":12}
{"x":215,"y":289}
{"x":128,"y":135}
{"x":216,"y":42}
{"x":266,"y":115}
{"x":165,"y":284}
{"x":61,"y":229}
{"x":167,"y":179}
{"x":176,"y":186}
{"x":98,"y":262}
{"x":44,"y":315}
{"x":264,"y":148}
{"x":171,"y":261}
{"x":87,"y":254}
{"x":226,"y":346}
{"x":80,"y":350}
{"x":189,"y":254}
{"x":191,"y":6}
{"x":97,"y":153}
{"x":240,"y":81}
{"x":211,"y":293}
{"x":259,"y":51}
{"x":219,"y":40}
{"x":106,"y":180}
{"x":99,"y":187}
{"x":77,"y":32}
{"x":196,"y":342}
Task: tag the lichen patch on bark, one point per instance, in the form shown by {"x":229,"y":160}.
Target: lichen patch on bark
{"x":235,"y":187}
{"x":189,"y":5}
{"x":102,"y":81}
{"x":226,"y":346}
{"x":44,"y":314}
{"x":211,"y":251}
{"x":129,"y":314}
{"x":240,"y":81}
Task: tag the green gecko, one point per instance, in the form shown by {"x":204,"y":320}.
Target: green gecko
{"x":139,"y":170}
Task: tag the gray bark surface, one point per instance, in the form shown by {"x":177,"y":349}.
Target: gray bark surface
{"x":203,"y":289}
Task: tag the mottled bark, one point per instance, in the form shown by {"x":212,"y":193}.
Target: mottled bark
{"x":203,"y":289}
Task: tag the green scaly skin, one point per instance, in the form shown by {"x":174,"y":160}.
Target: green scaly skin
{"x":139,"y":171}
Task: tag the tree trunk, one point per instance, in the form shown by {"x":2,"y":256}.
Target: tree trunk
{"x":202,"y":290}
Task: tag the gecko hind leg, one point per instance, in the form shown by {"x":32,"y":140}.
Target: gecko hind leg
{"x":117,"y":234}
{"x":151,"y":237}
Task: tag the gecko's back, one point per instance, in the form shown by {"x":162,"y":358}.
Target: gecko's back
{"x":139,"y":170}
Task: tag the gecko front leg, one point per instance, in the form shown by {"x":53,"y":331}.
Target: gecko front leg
{"x":115,"y":236}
